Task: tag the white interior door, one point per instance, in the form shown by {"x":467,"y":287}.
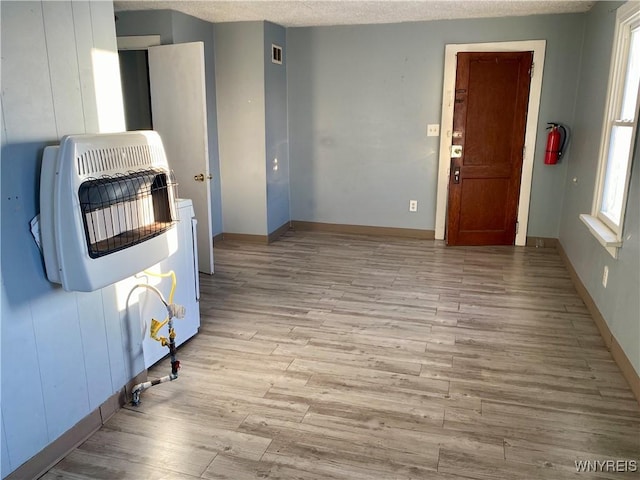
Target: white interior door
{"x":179,"y":110}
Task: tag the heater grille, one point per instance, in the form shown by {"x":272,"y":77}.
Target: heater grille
{"x":122,"y":210}
{"x":124,"y":158}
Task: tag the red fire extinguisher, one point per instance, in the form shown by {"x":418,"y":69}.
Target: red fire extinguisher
{"x":556,"y":141}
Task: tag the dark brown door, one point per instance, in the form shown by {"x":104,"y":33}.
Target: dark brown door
{"x":489,"y":118}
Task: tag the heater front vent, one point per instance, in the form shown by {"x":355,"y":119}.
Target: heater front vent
{"x":123,"y":210}
{"x":102,"y":160}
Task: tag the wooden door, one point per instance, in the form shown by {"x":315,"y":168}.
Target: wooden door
{"x":179,"y":107}
{"x":489,"y":119}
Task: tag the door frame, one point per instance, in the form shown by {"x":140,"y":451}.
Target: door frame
{"x":138,"y":42}
{"x":538,"y":48}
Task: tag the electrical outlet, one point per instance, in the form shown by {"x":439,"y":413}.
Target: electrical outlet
{"x":433,"y":130}
{"x":605,"y":276}
{"x":413,"y":205}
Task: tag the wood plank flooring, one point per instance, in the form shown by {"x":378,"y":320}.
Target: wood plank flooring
{"x":328,"y":356}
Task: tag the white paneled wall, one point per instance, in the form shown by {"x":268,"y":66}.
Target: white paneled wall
{"x":62,"y":354}
{"x":65,"y":81}
{"x":27,"y":102}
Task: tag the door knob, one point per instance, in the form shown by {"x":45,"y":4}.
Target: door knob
{"x":200,"y":177}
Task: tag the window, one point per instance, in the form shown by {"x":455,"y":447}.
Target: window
{"x":606,"y":221}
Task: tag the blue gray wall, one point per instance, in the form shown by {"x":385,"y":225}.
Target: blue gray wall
{"x":276,"y":132}
{"x":360,"y":99}
{"x":619,"y":303}
{"x":241,"y":126}
{"x":153,"y":22}
{"x":252,"y":127}
{"x":62,"y":354}
{"x":176,"y":27}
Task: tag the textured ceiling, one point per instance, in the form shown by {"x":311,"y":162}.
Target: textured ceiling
{"x":302,"y":13}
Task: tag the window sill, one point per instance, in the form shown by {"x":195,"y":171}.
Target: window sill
{"x":603,"y":234}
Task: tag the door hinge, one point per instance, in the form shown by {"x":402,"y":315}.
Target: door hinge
{"x":524,"y":151}
{"x":531,"y":68}
{"x":517,"y":227}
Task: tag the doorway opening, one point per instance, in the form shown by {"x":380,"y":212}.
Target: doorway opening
{"x":134,"y":74}
{"x":133,"y":55}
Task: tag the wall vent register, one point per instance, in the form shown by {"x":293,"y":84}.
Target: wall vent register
{"x":276,"y":54}
{"x":107,"y":208}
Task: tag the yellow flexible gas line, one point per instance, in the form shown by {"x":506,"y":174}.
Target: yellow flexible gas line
{"x":174,"y":281}
{"x":173,"y":311}
{"x":155,"y":325}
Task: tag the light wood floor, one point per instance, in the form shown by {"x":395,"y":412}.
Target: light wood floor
{"x":326,"y":356}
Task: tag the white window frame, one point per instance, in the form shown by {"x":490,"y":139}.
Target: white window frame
{"x":606,"y":231}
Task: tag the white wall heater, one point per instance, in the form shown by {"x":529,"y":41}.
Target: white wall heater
{"x":107,"y":208}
